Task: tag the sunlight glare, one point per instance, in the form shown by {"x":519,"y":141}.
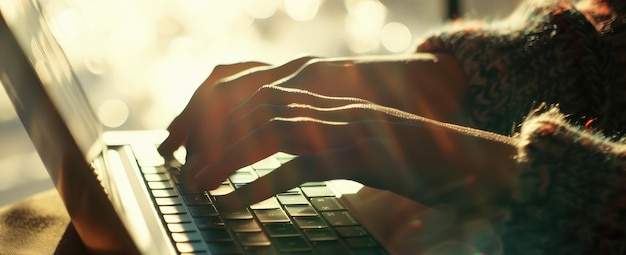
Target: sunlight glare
{"x":67,"y":22}
{"x":260,"y":9}
{"x":302,"y":10}
{"x":113,"y":113}
{"x":363,"y":23}
{"x":396,"y":37}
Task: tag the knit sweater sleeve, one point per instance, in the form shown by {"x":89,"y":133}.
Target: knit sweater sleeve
{"x":545,"y":52}
{"x":570,"y":196}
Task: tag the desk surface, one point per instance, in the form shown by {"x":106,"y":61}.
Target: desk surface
{"x":38,"y":224}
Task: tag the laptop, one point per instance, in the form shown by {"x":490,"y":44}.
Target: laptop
{"x":123,"y":198}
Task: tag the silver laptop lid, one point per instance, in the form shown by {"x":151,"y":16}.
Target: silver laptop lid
{"x":62,"y":126}
{"x":30,"y":27}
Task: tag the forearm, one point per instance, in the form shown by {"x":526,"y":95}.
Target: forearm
{"x":427,"y":85}
{"x":470,"y":170}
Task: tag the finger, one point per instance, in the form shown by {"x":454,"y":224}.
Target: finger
{"x":201,"y":148}
{"x":297,"y":136}
{"x":179,"y":128}
{"x":233,"y":83}
{"x":230,"y":133}
{"x":320,"y":134}
{"x":274,"y":95}
{"x":212,"y":103}
{"x":350,"y":162}
{"x":287,"y":176}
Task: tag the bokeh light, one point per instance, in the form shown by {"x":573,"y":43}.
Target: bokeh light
{"x":302,"y":10}
{"x":396,"y":37}
{"x":261,"y":9}
{"x":363,"y":23}
{"x":113,"y":113}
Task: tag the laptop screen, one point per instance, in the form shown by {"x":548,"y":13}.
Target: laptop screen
{"x":30,"y":27}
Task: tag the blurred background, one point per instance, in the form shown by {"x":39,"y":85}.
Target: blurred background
{"x":139,"y":61}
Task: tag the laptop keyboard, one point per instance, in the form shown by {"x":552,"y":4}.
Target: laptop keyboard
{"x":308,"y":219}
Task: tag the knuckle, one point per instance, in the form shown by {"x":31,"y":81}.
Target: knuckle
{"x":236,"y":66}
{"x":265,"y":93}
{"x":302,"y":61}
{"x":312,"y":66}
{"x":222,"y":67}
{"x":311,"y":70}
{"x":279,"y":123}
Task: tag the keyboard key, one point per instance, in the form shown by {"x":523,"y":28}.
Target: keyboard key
{"x":190,"y":247}
{"x":320,"y":234}
{"x":340,"y":218}
{"x":184,"y":190}
{"x":203,"y":211}
{"x":312,"y":184}
{"x":300,"y":210}
{"x":147,"y":154}
{"x":327,"y":203}
{"x":361,"y":242}
{"x":263,"y":172}
{"x":292,"y":199}
{"x":284,"y":157}
{"x":310,"y":222}
{"x":354,"y":231}
{"x":270,"y":203}
{"x":178,"y":179}
{"x":181,"y":227}
{"x":317,"y":191}
{"x":164,"y":193}
{"x":156,"y":177}
{"x":281,"y":229}
{"x":160,"y":185}
{"x":220,"y":248}
{"x":186,"y":237}
{"x":259,"y":250}
{"x":209,"y":223}
{"x":216,"y":235}
{"x":295,"y":190}
{"x":168,"y":201}
{"x":248,"y":225}
{"x":177,"y":218}
{"x":268,"y":163}
{"x":151,"y":162}
{"x":331,"y":247}
{"x":172,"y":209}
{"x":245,"y":169}
{"x":153,"y":169}
{"x":221,"y":190}
{"x":291,"y":244}
{"x":236,"y":215}
{"x":271,"y":215}
{"x":197,"y":199}
{"x":253,"y":239}
{"x":370,"y":251}
{"x":243,"y":177}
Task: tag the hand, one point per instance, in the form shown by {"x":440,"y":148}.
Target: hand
{"x":424,"y":84}
{"x":412,"y":83}
{"x":335,"y":126}
{"x":348,"y":138}
{"x":249,"y":76}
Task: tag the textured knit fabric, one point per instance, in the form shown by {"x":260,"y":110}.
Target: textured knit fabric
{"x":570,"y":197}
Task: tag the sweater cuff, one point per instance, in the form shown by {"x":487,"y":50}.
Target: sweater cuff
{"x":570,"y":192}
